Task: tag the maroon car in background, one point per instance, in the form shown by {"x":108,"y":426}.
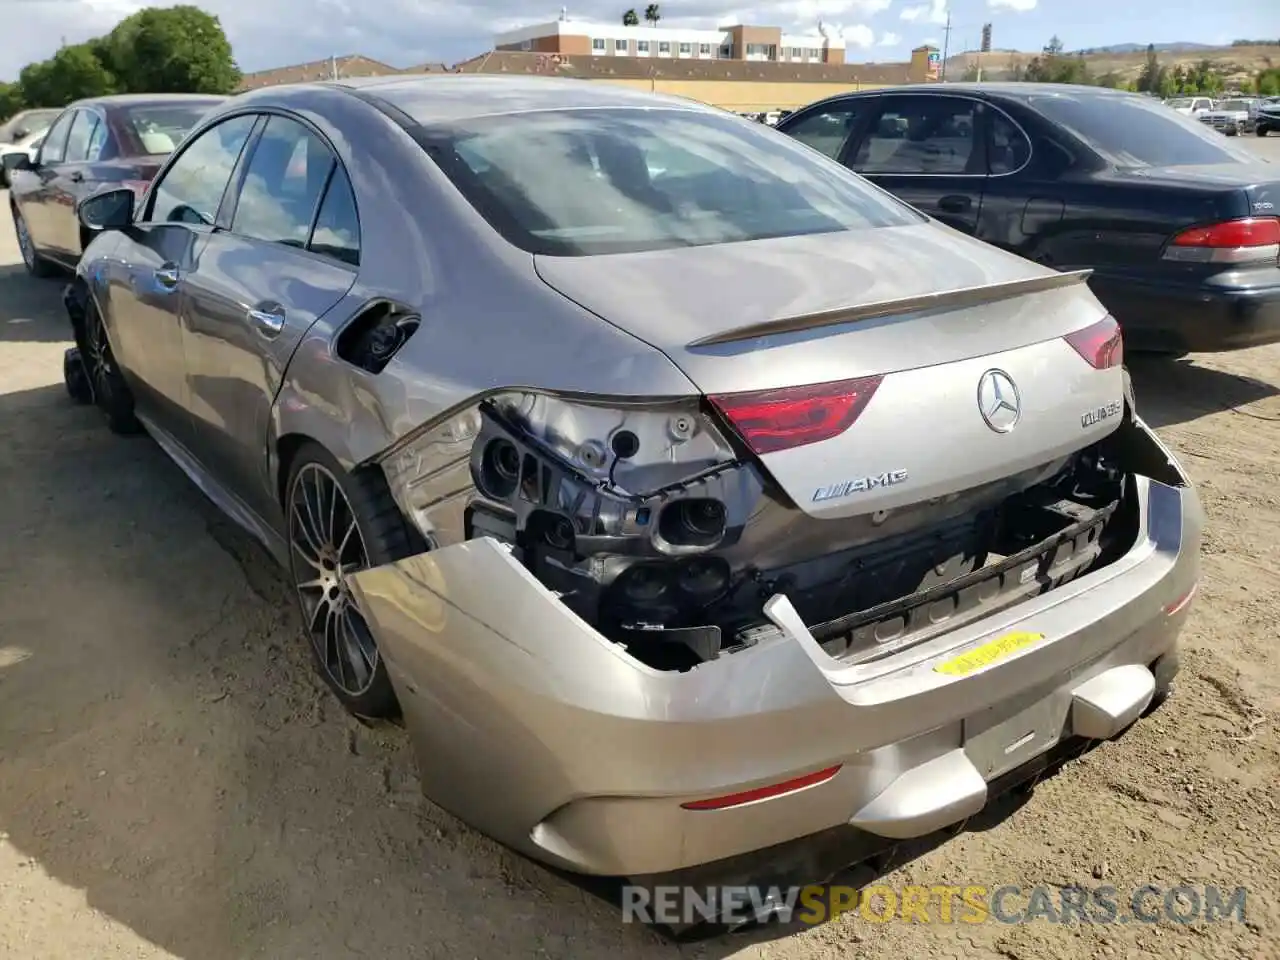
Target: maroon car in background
{"x":118,"y":140}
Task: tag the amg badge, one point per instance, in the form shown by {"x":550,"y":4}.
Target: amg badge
{"x":1112,"y":409}
{"x":859,"y":485}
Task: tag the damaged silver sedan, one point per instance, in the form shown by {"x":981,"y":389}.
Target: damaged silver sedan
{"x":686,"y":494}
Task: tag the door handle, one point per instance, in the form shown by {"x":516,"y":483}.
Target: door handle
{"x":167,"y":276}
{"x":955,"y":203}
{"x":76,"y":176}
{"x":269,"y":322}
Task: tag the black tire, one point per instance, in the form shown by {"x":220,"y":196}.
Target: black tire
{"x":110,"y":391}
{"x":36,"y":265}
{"x":342,"y":647}
{"x":76,"y":378}
{"x":1262,"y":131}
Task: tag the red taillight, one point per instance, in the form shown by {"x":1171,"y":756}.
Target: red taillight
{"x":772,"y":420}
{"x":1233,"y":241}
{"x":764,"y":793}
{"x":1100,"y":344}
{"x":1182,"y":602}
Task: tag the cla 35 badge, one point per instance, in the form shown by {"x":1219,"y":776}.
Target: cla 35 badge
{"x":1112,"y":409}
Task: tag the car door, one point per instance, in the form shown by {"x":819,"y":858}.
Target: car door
{"x":148,"y":299}
{"x":926,"y":149}
{"x":67,"y":186}
{"x":258,"y":286}
{"x":36,"y":203}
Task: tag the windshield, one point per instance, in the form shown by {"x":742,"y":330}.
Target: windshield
{"x":1134,"y":131}
{"x":161,"y":127}
{"x":584,"y":182}
{"x":1179,"y":104}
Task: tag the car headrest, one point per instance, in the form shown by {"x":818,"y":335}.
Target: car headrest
{"x":157,"y":142}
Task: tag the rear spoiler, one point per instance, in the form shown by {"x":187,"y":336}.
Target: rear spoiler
{"x":941,"y":300}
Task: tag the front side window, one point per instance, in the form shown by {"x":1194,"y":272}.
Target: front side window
{"x":826,"y":130}
{"x":190,"y":191}
{"x":920,"y":135}
{"x":282,"y":184}
{"x":55,"y":142}
{"x":1135,"y":131}
{"x":584,"y":182}
{"x":77,"y":149}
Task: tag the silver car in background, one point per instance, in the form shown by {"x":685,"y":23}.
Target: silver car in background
{"x":687,"y":494}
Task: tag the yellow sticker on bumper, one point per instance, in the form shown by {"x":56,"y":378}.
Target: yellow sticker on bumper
{"x":988,"y":653}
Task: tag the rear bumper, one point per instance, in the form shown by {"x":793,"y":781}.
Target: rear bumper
{"x":538,"y":731}
{"x":1204,"y":318}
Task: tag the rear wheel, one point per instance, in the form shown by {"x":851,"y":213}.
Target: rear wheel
{"x":36,"y":265}
{"x":338,"y":524}
{"x":1262,"y":131}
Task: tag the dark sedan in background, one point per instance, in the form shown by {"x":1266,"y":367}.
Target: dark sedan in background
{"x":120,"y":140}
{"x":1179,"y":225}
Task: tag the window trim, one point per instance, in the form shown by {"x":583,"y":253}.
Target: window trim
{"x":982,"y":102}
{"x":315,"y":220}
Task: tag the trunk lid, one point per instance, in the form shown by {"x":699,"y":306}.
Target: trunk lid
{"x":922,"y":435}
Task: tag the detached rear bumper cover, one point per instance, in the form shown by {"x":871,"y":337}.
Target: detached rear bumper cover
{"x":540,"y":732}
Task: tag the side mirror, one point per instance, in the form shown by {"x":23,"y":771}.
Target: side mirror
{"x":18,"y":160}
{"x":109,"y":210}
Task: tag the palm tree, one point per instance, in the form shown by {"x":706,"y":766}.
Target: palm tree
{"x":652,"y":14}
{"x":630,"y":19}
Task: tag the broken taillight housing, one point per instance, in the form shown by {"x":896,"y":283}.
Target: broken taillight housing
{"x":773,"y":420}
{"x":1246,"y":240}
{"x":1101,"y":344}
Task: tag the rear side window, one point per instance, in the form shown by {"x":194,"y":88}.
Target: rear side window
{"x":1008,"y":149}
{"x":79,"y":139}
{"x":596,"y":181}
{"x":283,"y":182}
{"x":1138,"y":131}
{"x":928,"y":134}
{"x":827,"y":129}
{"x":337,"y":232}
{"x":191,"y":190}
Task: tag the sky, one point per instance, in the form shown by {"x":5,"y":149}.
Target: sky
{"x":271,"y":33}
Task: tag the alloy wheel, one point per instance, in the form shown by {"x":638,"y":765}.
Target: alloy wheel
{"x":99,"y":362}
{"x":24,"y":240}
{"x":326,"y":547}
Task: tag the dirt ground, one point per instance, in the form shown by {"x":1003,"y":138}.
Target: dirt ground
{"x":175,"y":783}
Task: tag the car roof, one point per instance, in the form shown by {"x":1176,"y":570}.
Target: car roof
{"x":999,"y":89}
{"x":442,"y":98}
{"x":146,"y":99}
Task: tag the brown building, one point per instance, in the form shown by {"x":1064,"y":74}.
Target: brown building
{"x":739,"y":42}
{"x":351,"y":65}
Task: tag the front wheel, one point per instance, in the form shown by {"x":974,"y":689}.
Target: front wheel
{"x":339,"y":524}
{"x":1262,"y":131}
{"x":36,"y":265}
{"x":110,"y":391}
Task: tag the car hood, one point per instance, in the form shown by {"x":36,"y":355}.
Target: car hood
{"x":672,"y":298}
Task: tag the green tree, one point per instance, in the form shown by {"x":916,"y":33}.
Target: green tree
{"x":652,"y":14}
{"x":10,"y":100}
{"x":178,"y":49}
{"x":71,"y":73}
{"x":631,"y":18}
{"x":1152,"y":76}
{"x":1054,"y":47}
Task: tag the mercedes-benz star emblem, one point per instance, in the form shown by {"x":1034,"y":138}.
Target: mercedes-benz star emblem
{"x":998,"y":401}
